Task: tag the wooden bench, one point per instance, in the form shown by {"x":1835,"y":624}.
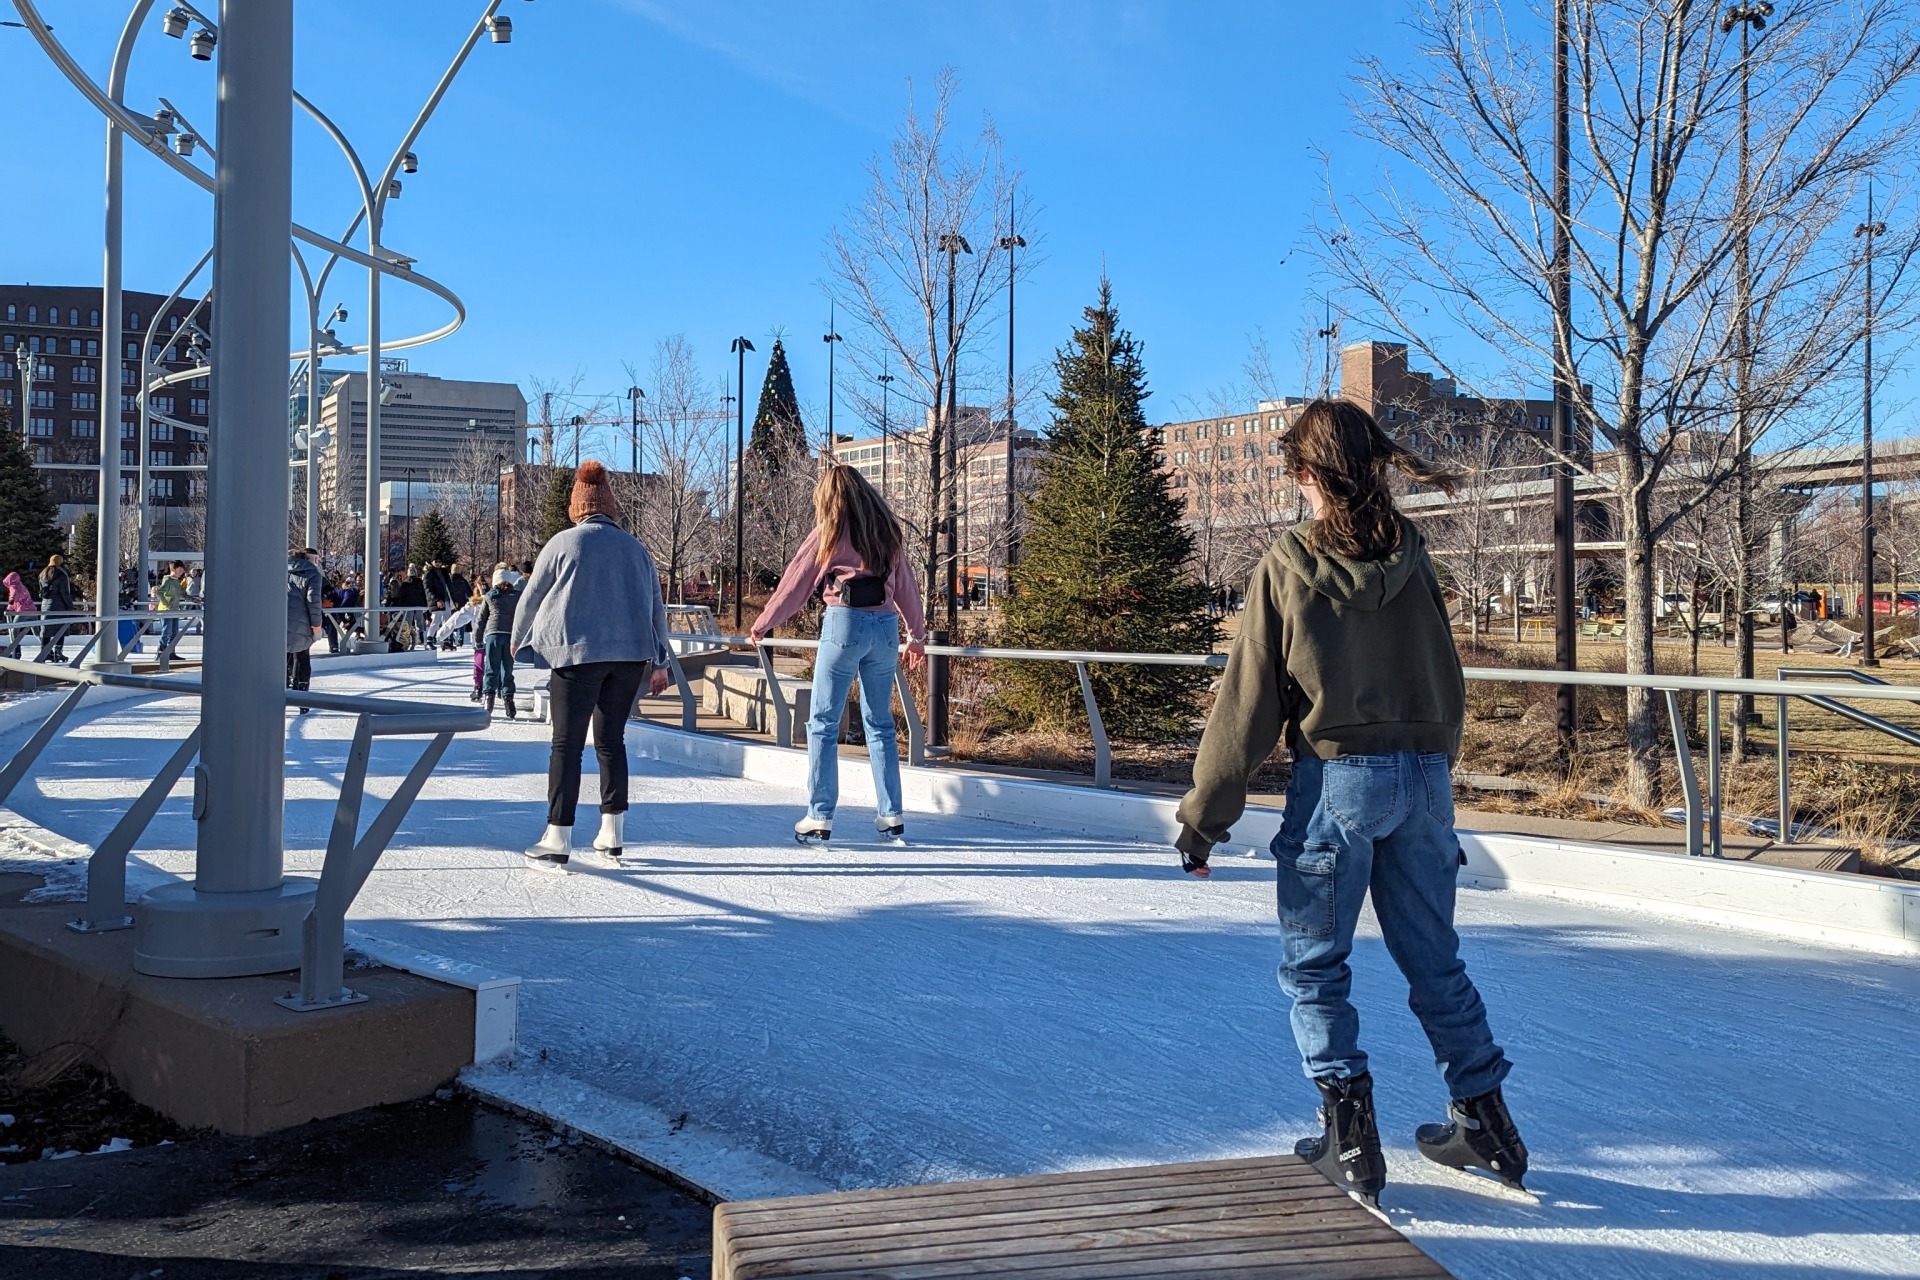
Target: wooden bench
{"x":1271,"y":1216}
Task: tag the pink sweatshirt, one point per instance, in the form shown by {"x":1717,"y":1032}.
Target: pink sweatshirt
{"x":804,"y":573}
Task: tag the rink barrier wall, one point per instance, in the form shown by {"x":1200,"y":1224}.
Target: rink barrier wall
{"x":1811,"y":906}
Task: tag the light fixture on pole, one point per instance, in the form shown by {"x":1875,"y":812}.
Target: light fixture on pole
{"x":832,"y":339}
{"x":409,"y":163}
{"x":500,"y":28}
{"x":175,"y":22}
{"x":578,"y":422}
{"x":740,"y":347}
{"x":201,"y":46}
{"x":184,"y":143}
{"x":1868,"y":658}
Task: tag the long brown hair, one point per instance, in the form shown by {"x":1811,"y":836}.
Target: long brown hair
{"x":844,"y":504}
{"x":1338,"y":445}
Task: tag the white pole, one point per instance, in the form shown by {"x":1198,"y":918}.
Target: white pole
{"x":106,"y":591}
{"x":243,"y":743}
{"x":376,"y":560}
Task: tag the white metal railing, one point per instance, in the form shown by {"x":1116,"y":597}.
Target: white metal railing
{"x":1703,"y":811}
{"x":351,"y":854}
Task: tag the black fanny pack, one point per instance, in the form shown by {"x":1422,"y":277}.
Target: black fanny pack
{"x":864,"y":591}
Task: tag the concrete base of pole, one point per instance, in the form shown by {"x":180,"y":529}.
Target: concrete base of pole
{"x":180,"y":932}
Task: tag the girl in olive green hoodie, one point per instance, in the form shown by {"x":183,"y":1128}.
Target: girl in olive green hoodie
{"x":1346,"y":650}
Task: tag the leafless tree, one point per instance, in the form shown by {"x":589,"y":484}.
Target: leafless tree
{"x":469,"y":486}
{"x":682,"y":434}
{"x":889,"y":263}
{"x":1656,"y":221}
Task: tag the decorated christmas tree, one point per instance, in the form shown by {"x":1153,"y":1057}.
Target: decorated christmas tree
{"x":778,"y":434}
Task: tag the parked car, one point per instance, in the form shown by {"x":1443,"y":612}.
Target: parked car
{"x":1883,"y":602}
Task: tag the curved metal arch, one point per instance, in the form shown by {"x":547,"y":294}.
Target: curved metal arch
{"x":135,"y":128}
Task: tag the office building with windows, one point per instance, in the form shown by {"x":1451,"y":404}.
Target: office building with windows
{"x":429,"y":428}
{"x":50,"y":357}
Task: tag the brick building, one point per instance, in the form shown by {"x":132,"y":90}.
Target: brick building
{"x":50,"y":356}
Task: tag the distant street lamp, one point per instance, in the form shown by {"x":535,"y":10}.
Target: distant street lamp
{"x":1009,"y":243}
{"x":953,"y":244}
{"x":740,"y":347}
{"x":576,"y":424}
{"x":832,"y":340}
{"x":634,"y":396}
{"x":1868,"y":229}
{"x":886,"y":386}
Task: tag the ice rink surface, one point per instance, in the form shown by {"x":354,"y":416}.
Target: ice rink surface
{"x":991,"y":999}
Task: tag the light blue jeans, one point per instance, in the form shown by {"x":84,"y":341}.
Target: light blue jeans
{"x":1381,"y":823}
{"x":863,"y":643}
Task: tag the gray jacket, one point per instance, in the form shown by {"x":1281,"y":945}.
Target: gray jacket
{"x":304,"y":593}
{"x":594,"y":597}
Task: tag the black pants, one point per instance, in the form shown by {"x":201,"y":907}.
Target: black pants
{"x":603,"y":692}
{"x":300,"y":670}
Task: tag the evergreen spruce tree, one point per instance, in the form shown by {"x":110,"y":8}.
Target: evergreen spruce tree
{"x":778,"y":434}
{"x":431,"y":540}
{"x":28,"y":534}
{"x":1104,"y":560}
{"x":553,"y":508}
{"x":83,"y":553}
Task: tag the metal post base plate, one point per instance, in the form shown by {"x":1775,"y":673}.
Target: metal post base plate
{"x":107,"y":925}
{"x":180,"y":932}
{"x":292,"y":1001}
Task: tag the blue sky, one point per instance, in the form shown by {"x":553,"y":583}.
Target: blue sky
{"x":627,"y":169}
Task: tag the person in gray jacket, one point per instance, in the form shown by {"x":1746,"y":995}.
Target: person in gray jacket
{"x":304,"y":601}
{"x":592,"y":612}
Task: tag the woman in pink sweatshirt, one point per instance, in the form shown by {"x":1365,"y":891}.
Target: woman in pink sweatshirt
{"x":856,"y":556}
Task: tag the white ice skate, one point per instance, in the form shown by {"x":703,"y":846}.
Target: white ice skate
{"x":554,"y":848}
{"x":611,"y":840}
{"x":892,"y":829}
{"x":813,"y":831}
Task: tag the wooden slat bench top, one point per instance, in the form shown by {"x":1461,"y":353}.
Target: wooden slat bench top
{"x":1271,"y":1216}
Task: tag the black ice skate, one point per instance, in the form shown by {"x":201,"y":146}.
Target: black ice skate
{"x":813,"y":831}
{"x":1479,"y":1134}
{"x":1348,"y":1152}
{"x":892,"y":829}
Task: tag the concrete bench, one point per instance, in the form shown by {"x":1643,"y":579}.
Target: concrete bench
{"x":1267,"y":1216}
{"x":739,"y":694}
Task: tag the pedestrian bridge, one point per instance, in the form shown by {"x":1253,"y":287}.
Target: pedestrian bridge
{"x":1704,"y":1094}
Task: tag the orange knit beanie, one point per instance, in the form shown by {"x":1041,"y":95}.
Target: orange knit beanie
{"x":592,"y":493}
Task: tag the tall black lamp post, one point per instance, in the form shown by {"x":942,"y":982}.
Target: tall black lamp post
{"x":740,"y":347}
{"x":886,"y":387}
{"x":832,"y":339}
{"x":1565,"y":656}
{"x":499,"y":467}
{"x":1010,"y":242}
{"x":634,"y":396}
{"x":1867,"y":230}
{"x":953,"y":244}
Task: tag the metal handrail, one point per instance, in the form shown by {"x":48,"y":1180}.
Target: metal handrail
{"x":1703,"y":813}
{"x":351,"y":855}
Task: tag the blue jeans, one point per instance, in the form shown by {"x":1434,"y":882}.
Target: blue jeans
{"x":499,"y":665}
{"x":865,"y":643}
{"x":1383,"y":823}
{"x":170,"y":630}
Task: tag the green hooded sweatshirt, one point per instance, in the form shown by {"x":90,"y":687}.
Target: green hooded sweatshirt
{"x":1345,"y":657}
